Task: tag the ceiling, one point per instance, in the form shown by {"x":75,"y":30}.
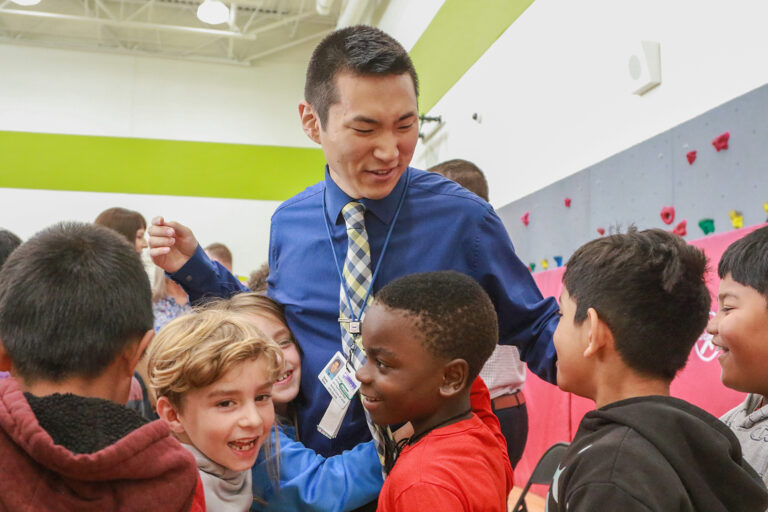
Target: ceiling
{"x":257,"y":29}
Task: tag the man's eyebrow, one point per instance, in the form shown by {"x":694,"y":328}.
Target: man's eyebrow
{"x":363,"y":119}
{"x":406,"y":116}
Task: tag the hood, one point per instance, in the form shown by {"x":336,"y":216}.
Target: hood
{"x":126,"y":463}
{"x":700,"y":448}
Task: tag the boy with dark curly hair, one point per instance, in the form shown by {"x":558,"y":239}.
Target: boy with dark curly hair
{"x":426,"y":338}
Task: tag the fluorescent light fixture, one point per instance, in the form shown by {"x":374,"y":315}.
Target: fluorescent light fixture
{"x":213,"y":12}
{"x":26,"y":2}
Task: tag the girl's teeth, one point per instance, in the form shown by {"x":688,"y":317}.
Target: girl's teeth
{"x":240,"y":446}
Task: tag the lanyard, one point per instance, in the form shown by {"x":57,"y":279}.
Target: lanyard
{"x":381,"y":258}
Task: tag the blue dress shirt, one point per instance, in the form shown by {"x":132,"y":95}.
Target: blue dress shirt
{"x":441,"y":226}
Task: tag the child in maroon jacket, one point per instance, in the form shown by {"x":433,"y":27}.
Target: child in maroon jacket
{"x":75,"y":318}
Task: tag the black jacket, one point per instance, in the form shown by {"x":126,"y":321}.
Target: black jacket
{"x":655,"y":453}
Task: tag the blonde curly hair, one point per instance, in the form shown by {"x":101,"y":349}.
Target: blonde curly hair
{"x":194,"y":351}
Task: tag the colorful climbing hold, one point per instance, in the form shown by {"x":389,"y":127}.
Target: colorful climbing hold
{"x":544,"y":264}
{"x":681,"y":228}
{"x":765,"y":207}
{"x":737,"y":219}
{"x":601,"y":231}
{"x":526,"y":218}
{"x":707,"y":226}
{"x":567,"y":202}
{"x":558,"y":260}
{"x":691,"y":156}
{"x":668,"y":214}
{"x":721,"y":141}
{"x":532,"y":266}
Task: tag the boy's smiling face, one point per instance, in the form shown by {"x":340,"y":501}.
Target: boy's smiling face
{"x":400,"y":380}
{"x":740,"y":329}
{"x":230,"y":419}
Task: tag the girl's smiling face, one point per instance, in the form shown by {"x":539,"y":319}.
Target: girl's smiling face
{"x":287,"y":386}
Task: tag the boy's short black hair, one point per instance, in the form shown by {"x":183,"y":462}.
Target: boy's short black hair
{"x":746,"y":260}
{"x":361,"y":50}
{"x":649,"y":287}
{"x":8,"y":242}
{"x":71,"y":299}
{"x":465,"y":173}
{"x":453,"y":312}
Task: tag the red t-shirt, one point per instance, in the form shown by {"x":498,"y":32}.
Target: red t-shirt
{"x":460,"y":467}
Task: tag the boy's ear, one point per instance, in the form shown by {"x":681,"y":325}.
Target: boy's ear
{"x":135,"y":351}
{"x":310,"y":122}
{"x":5,"y":360}
{"x":454,"y":377}
{"x":170,"y":415}
{"x":599,"y":335}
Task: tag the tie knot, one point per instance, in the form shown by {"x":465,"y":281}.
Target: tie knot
{"x":354,"y":213}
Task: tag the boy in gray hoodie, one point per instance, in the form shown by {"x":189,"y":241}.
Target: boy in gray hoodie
{"x":740,"y":330}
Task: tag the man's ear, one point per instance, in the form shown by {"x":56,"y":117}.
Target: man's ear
{"x":170,"y":415}
{"x":5,"y":360}
{"x":599,"y":335}
{"x":135,"y":351}
{"x":310,"y":121}
{"x":454,"y":377}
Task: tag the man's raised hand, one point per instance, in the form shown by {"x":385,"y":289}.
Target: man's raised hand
{"x":171,"y":244}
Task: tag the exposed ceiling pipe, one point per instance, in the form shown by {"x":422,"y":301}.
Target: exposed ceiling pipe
{"x":354,"y":12}
{"x":323,"y":7}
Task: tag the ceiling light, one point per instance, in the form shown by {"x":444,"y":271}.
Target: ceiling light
{"x":26,"y":2}
{"x":212,"y":12}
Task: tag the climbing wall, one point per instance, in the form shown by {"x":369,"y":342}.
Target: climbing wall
{"x":709,"y":174}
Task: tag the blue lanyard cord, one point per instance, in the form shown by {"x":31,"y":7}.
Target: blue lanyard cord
{"x":383,"y":249}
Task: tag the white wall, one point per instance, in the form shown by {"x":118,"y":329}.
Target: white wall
{"x":240,"y":224}
{"x":552,"y":91}
{"x":87,"y":93}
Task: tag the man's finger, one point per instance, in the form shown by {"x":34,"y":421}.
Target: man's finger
{"x":161,"y":241}
{"x":159,"y":251}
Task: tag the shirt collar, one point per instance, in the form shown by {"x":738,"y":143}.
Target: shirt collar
{"x":383,"y":209}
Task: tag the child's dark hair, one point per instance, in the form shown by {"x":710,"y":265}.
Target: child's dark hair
{"x":452,"y":311}
{"x":71,"y":299}
{"x":8,"y":242}
{"x":649,"y":287}
{"x":746,"y":260}
{"x":361,"y":50}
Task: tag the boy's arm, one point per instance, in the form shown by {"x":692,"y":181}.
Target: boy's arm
{"x":310,"y":482}
{"x":480,"y":399}
{"x":426,"y":497}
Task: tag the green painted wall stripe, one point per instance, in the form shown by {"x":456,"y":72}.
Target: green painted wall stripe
{"x":147,"y":166}
{"x":459,"y":34}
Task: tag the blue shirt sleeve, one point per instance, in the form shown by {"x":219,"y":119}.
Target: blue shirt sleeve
{"x":201,"y":277}
{"x":526,"y":319}
{"x":310,"y":482}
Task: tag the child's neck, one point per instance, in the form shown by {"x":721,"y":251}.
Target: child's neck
{"x":450,"y":412}
{"x":623,"y":383}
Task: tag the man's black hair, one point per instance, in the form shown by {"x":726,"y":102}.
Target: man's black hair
{"x":465,"y":173}
{"x":746,"y":260}
{"x":362,"y":50}
{"x":649,"y":288}
{"x":8,"y":242}
{"x":452,"y":312}
{"x":71,"y":299}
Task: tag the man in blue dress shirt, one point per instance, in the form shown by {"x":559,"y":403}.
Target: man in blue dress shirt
{"x":361,"y":107}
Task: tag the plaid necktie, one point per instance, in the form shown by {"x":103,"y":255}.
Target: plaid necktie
{"x":357,"y":281}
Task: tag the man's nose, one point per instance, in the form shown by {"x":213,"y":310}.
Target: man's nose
{"x":387,"y":148}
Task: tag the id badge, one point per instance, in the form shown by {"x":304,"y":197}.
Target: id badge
{"x":339,"y":380}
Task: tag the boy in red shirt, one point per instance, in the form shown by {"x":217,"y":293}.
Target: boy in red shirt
{"x":426,"y":338}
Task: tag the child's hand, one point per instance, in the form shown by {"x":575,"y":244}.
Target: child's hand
{"x":171,"y":244}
